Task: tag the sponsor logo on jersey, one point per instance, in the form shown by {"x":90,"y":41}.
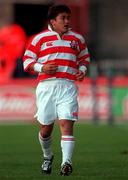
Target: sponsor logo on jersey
{"x":49,"y":44}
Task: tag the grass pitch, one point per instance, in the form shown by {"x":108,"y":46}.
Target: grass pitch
{"x":101,"y":153}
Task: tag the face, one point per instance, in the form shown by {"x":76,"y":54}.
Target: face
{"x":61,"y":23}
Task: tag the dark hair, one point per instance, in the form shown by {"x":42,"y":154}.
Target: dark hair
{"x":57,"y":9}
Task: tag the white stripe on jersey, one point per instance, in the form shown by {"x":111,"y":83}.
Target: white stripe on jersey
{"x":27,"y":62}
{"x":88,"y":59}
{"x":64,"y":56}
{"x":30,"y":54}
{"x":67,"y":69}
{"x":83,"y":52}
{"x":80,"y":37}
{"x":37,"y":38}
{"x":57,"y":43}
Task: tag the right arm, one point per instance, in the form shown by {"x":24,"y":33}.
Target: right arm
{"x":49,"y":68}
{"x":30,"y":58}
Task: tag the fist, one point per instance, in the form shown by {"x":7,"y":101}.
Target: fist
{"x":50,"y":68}
{"x":80,"y":76}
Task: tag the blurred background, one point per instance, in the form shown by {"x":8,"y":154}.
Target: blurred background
{"x":104,"y":93}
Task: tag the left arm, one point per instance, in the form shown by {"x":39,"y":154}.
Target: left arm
{"x":83,"y":60}
{"x":80,"y":75}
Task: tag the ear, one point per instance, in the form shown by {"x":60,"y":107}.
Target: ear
{"x":52,"y":21}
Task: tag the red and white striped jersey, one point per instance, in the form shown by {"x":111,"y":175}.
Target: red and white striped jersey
{"x":68,"y":52}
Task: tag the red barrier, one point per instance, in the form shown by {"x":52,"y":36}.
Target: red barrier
{"x":17,"y":100}
{"x":94,"y":98}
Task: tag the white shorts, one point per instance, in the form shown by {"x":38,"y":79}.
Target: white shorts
{"x":56,"y":99}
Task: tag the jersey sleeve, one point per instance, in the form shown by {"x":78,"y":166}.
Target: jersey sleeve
{"x":83,"y":56}
{"x":31,"y":53}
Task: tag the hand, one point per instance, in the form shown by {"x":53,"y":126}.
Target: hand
{"x":80,"y":76}
{"x":50,"y":68}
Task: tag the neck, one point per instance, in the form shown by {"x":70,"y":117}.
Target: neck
{"x":53,"y":29}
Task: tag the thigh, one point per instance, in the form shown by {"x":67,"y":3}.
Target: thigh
{"x":46,"y":108}
{"x":67,"y":107}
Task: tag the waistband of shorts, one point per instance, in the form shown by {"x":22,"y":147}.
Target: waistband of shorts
{"x":56,"y":81}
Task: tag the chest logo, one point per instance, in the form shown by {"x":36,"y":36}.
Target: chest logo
{"x":74,"y":44}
